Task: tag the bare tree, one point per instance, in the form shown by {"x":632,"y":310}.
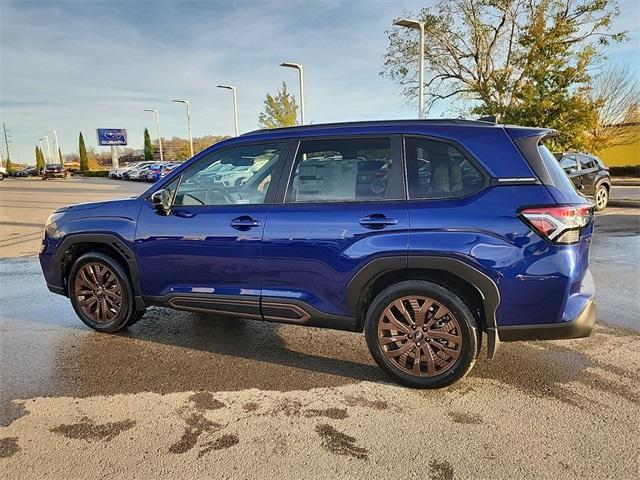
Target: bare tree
{"x":525,"y":61}
{"x":617,"y":93}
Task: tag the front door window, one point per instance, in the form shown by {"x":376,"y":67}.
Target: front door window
{"x":240,"y":175}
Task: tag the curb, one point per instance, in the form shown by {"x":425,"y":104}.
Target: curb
{"x":624,"y":203}
{"x":623,"y":182}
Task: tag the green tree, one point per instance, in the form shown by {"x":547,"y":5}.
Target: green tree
{"x":38,"y":166}
{"x":525,"y":61}
{"x":148,"y":147}
{"x":60,"y":155}
{"x":39,"y":159}
{"x":84,"y":160}
{"x":9,"y":166}
{"x":279,"y":111}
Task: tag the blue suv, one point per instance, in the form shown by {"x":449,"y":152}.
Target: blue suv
{"x":427,"y":235}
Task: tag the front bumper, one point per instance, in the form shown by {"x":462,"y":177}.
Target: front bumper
{"x":579,"y":327}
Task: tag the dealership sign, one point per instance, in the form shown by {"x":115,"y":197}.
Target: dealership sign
{"x":110,"y":137}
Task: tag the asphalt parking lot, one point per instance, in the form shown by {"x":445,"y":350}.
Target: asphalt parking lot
{"x":182,"y":394}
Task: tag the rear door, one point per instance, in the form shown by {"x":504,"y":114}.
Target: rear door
{"x":341,"y":204}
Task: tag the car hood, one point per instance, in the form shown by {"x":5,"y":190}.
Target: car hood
{"x":105,"y":208}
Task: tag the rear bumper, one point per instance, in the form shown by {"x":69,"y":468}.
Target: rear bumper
{"x":578,"y":327}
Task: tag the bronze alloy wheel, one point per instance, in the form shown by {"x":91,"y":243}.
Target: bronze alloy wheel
{"x":98,"y":292}
{"x":419,"y":336}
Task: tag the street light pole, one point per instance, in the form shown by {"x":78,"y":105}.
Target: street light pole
{"x":48,"y":148}
{"x":186,"y":102}
{"x":235,"y":105}
{"x":417,"y":25}
{"x":298,"y":67}
{"x":55,"y":135}
{"x":157,"y":128}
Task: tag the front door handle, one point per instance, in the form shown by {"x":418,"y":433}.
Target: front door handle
{"x":245,"y":222}
{"x":377,"y":220}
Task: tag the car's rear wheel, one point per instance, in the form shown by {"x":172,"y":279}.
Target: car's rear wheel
{"x":422,"y":334}
{"x":602,"y":197}
{"x":101,"y":293}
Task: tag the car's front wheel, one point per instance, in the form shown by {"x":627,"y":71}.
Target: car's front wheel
{"x":602,"y":197}
{"x":422,"y":334}
{"x":101,"y":293}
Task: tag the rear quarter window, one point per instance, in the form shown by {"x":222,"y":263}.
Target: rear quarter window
{"x":437,"y":169}
{"x":558,"y":177}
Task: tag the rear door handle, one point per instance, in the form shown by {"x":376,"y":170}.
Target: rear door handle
{"x":244,"y":222}
{"x":377,"y":220}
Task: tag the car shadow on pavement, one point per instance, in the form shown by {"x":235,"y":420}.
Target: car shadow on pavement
{"x":170,"y":351}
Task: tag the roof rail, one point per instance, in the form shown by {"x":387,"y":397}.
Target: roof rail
{"x":436,"y":121}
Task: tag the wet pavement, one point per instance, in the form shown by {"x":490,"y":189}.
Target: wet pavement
{"x":307,"y":401}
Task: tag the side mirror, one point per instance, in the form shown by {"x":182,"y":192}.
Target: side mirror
{"x":162,"y":201}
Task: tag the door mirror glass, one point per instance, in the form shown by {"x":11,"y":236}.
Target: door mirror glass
{"x":162,"y":201}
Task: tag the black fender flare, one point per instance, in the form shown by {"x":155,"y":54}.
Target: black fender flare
{"x":111,"y":240}
{"x":603,"y":181}
{"x":480,"y":281}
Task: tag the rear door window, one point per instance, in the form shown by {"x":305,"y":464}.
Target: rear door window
{"x":343,"y":170}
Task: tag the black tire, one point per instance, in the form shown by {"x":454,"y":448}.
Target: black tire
{"x":126,"y":314}
{"x":1,"y":176}
{"x":136,"y":317}
{"x":601,"y":197}
{"x":468,"y":332}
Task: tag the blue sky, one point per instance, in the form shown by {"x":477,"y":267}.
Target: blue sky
{"x":78,"y":65}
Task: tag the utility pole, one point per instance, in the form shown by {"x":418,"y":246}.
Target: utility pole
{"x":6,"y":141}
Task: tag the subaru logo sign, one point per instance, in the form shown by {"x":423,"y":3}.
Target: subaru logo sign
{"x":111,"y":136}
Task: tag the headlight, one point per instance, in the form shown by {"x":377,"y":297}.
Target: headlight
{"x":51,"y":227}
{"x":53,"y":218}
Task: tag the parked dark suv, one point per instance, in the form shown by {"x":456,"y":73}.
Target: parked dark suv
{"x":589,"y":174}
{"x":54,"y":170}
{"x":426,"y":235}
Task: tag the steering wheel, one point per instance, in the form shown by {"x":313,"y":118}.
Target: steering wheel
{"x":215,"y":194}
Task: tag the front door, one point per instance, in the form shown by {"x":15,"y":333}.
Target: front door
{"x":205,"y":254}
{"x":343,"y":204}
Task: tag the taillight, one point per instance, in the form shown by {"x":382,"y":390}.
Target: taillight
{"x":559,"y":224}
